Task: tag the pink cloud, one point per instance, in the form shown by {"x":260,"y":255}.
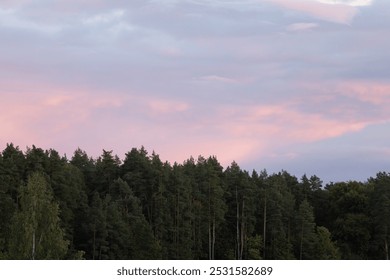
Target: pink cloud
{"x":60,"y":120}
{"x":337,"y":12}
{"x":246,"y":132}
{"x":377,"y":93}
{"x":65,"y":119}
{"x":227,"y":149}
{"x":159,"y":106}
{"x":57,"y":100}
{"x":284,"y":122}
{"x":271,"y":127}
{"x":45,"y":115}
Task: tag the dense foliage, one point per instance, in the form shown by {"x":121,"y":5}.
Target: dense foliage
{"x":142,"y":208}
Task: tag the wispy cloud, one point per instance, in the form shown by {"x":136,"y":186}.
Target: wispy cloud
{"x":301,"y":26}
{"x":218,"y":79}
{"x":10,"y":18}
{"x":339,"y":13}
{"x":104,"y":18}
{"x":377,"y":93}
{"x":356,"y":3}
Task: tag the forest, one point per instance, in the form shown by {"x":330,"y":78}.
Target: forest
{"x":105,"y":208}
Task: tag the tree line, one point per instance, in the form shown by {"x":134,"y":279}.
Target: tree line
{"x":52,"y":207}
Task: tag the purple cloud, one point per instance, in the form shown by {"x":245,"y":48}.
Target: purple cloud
{"x":259,"y":82}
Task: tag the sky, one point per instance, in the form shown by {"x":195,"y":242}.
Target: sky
{"x":296,"y":85}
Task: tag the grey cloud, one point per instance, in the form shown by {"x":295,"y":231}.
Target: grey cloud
{"x":205,"y":53}
{"x":355,"y":156}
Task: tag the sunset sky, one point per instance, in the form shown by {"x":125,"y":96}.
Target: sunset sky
{"x":299,"y":85}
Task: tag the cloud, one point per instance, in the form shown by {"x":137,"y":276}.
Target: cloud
{"x":278,"y":121}
{"x":10,"y":18}
{"x":355,"y":3}
{"x":159,"y":106}
{"x":377,"y":93}
{"x":301,"y":26}
{"x":338,"y":13}
{"x":240,"y":79}
{"x":104,"y":18}
{"x":218,"y":79}
{"x":57,"y":100}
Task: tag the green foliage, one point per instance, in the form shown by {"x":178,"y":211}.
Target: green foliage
{"x":143,"y":208}
{"x":325,"y":248}
{"x":349,"y":204}
{"x":306,"y":235}
{"x":380,"y":211}
{"x":279,"y":205}
{"x":240,"y":199}
{"x":255,"y":247}
{"x":36,"y":232}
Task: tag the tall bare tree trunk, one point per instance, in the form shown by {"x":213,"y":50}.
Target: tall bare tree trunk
{"x":213,"y":246}
{"x":210,"y":234}
{"x":237,"y":226}
{"x":265,"y":225}
{"x":301,"y":245}
{"x":210,"y":238}
{"x":94,"y":242}
{"x":33,"y":246}
{"x":242,"y":238}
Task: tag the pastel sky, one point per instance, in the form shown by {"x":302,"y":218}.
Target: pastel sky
{"x":299,"y":85}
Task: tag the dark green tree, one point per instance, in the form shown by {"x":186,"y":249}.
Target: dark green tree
{"x":70,"y":192}
{"x":380,"y":213}
{"x":107,"y":170}
{"x":279,"y":216}
{"x":137,"y":171}
{"x":87,"y":166}
{"x":97,"y":229}
{"x":325,"y":248}
{"x":209,"y":181}
{"x":349,"y":209}
{"x":161,"y":220}
{"x":306,"y":235}
{"x":37,"y":160}
{"x":241,"y":207}
{"x":13,"y":170}
{"x":180,"y":230}
{"x":129,"y":234}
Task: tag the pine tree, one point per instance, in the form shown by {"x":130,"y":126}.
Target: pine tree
{"x":306,"y":235}
{"x":380,"y":211}
{"x":349,"y":209}
{"x":279,"y":217}
{"x":241,"y":207}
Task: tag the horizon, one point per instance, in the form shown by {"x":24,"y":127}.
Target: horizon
{"x":270,"y":172}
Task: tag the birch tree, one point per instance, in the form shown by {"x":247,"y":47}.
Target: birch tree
{"x":36,"y":231}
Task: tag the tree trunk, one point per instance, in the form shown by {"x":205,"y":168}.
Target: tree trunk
{"x":237,"y":226}
{"x":94,"y":243}
{"x":264,"y":225}
{"x":301,"y":245}
{"x":33,"y":246}
{"x":209,"y":225}
{"x":242,"y":238}
{"x":213,"y":246}
{"x":210,"y":245}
